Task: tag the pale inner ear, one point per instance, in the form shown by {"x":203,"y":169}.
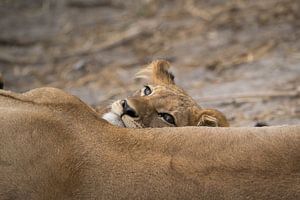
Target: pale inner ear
{"x":157,"y":72}
{"x":206,"y":120}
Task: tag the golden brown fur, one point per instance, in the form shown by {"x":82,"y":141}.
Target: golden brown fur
{"x":165,"y":97}
{"x":53,"y":146}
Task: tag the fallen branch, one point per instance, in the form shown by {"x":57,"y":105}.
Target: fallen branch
{"x":17,"y":42}
{"x":10,"y":59}
{"x":122,"y":39}
{"x":91,"y":4}
{"x":261,"y":95}
{"x":246,"y":57}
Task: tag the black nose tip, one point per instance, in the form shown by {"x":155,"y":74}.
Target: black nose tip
{"x":127,"y":110}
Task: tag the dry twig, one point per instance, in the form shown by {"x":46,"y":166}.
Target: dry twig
{"x":247,"y":96}
{"x":247,"y":57}
{"x":121,"y":39}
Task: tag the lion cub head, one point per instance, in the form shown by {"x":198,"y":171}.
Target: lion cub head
{"x":161,"y":104}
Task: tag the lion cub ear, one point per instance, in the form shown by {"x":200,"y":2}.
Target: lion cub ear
{"x":212,"y":118}
{"x":157,"y":72}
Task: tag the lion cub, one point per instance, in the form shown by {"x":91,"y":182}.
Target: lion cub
{"x":161,"y":104}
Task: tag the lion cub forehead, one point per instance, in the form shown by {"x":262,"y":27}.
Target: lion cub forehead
{"x":172,"y":97}
{"x":170,"y":89}
{"x":173,"y":90}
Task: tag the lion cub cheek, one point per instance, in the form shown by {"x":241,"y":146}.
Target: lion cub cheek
{"x":113,"y":119}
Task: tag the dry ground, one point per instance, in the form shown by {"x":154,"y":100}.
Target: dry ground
{"x":242,"y":57}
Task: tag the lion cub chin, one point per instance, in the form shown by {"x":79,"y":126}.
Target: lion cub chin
{"x":161,"y":103}
{"x":114,"y":116}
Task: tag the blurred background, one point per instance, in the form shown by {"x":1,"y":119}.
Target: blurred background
{"x":241,"y":57}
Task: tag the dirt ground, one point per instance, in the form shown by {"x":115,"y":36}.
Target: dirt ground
{"x":241,"y":57}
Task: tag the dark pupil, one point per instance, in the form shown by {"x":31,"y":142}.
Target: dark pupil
{"x":147,"y":90}
{"x":169,"y":118}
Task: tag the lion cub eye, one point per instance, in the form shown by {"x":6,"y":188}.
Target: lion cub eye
{"x":146,"y":91}
{"x":167,"y":117}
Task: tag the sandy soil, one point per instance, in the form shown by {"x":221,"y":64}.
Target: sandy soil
{"x":241,"y":57}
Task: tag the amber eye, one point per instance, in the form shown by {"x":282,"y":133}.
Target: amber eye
{"x":167,"y":117}
{"x":146,"y":91}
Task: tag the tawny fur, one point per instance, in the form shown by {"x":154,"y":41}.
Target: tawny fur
{"x":53,"y":146}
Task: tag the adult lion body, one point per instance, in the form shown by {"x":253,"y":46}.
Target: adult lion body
{"x":53,"y":146}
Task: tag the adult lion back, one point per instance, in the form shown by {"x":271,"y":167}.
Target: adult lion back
{"x":53,"y":146}
{"x":40,"y":147}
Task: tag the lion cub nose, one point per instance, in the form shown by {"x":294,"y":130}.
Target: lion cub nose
{"x":127,"y":110}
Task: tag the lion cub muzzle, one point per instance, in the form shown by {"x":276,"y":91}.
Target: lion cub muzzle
{"x":123,"y":114}
{"x":127,"y":110}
